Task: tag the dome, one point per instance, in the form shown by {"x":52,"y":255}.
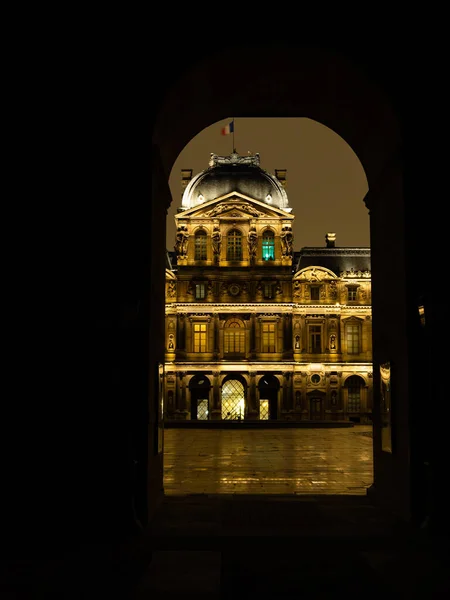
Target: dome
{"x":234,"y":173}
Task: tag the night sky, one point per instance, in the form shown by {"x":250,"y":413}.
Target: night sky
{"x":326,"y":183}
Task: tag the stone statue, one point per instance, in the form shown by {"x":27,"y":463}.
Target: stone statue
{"x":286,"y":241}
{"x":181,"y":239}
{"x":216,"y":239}
{"x":252,"y":241}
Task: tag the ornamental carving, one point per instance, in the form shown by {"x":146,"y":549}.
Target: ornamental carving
{"x":234,"y":159}
{"x":244,"y":206}
{"x":312,"y":275}
{"x":172,"y":289}
{"x":356,"y":274}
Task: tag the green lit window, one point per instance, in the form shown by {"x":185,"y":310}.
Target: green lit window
{"x":234,"y":245}
{"x":268,"y":246}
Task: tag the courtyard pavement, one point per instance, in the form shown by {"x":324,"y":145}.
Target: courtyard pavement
{"x":268,"y":461}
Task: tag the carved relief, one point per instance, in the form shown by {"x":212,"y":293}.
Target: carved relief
{"x":181,"y":239}
{"x":333,"y":290}
{"x":172,"y":289}
{"x":357,"y":274}
{"x":297,"y":290}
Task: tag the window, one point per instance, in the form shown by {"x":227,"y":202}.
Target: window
{"x":353,"y":384}
{"x":352,"y":333}
{"x":200,"y":245}
{"x":234,"y":337}
{"x":351,"y":293}
{"x":268,"y":246}
{"x":200,"y":290}
{"x":268,"y":337}
{"x":315,"y":292}
{"x":199,"y":337}
{"x":234,"y":245}
{"x":315,"y":339}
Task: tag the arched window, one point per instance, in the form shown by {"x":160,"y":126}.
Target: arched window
{"x":234,"y":245}
{"x":268,"y":245}
{"x":233,"y":400}
{"x":200,"y":245}
{"x":234,"y":337}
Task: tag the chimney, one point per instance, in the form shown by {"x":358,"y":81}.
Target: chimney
{"x":186,"y":176}
{"x":280,"y":174}
{"x":331,"y":240}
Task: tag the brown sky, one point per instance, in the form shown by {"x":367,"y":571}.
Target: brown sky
{"x":326,"y":183}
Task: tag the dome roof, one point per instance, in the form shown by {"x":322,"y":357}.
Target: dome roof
{"x":235,"y":173}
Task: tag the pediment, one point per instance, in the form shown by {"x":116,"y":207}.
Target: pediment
{"x":313,"y":274}
{"x":233,"y":205}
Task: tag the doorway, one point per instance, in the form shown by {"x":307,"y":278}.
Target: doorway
{"x":200,"y":387}
{"x":268,"y":397}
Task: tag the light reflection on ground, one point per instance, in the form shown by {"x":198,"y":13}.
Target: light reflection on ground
{"x":268,"y":461}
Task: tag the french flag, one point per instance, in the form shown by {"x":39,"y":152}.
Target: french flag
{"x":228,"y":128}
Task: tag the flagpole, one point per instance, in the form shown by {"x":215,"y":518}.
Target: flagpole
{"x":234,"y":147}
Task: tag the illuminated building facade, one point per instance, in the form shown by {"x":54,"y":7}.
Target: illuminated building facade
{"x":255,"y":330}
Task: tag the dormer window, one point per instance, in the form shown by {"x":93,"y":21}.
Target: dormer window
{"x":200,"y":245}
{"x":315,"y":292}
{"x":234,"y":245}
{"x":352,"y":291}
{"x":268,"y":245}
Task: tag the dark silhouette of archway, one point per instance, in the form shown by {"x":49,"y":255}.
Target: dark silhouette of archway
{"x":268,"y":390}
{"x":95,"y":431}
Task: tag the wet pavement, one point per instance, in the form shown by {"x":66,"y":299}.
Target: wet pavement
{"x":268,"y":461}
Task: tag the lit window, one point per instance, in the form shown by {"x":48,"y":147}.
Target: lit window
{"x":234,"y":337}
{"x":200,"y":245}
{"x":268,"y":337}
{"x":268,"y":246}
{"x":234,"y":245}
{"x":352,"y":333}
{"x":199,"y":337}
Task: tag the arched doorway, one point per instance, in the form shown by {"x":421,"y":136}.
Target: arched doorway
{"x":233,"y":395}
{"x":268,"y":387}
{"x":199,"y":387}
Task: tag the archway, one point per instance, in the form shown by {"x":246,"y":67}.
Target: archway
{"x":327,"y":88}
{"x":199,"y":387}
{"x":233,"y":398}
{"x":268,"y":387}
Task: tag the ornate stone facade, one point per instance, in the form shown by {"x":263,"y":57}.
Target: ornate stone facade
{"x":255,"y":330}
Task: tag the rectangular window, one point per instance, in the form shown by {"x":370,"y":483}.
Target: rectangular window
{"x":200,"y":290}
{"x":268,"y":337}
{"x":354,"y":400}
{"x":200,"y":247}
{"x":234,"y":341}
{"x":352,"y":332}
{"x":199,"y":337}
{"x":268,"y":290}
{"x":351,"y":292}
{"x":315,"y":292}
{"x":315,"y":339}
